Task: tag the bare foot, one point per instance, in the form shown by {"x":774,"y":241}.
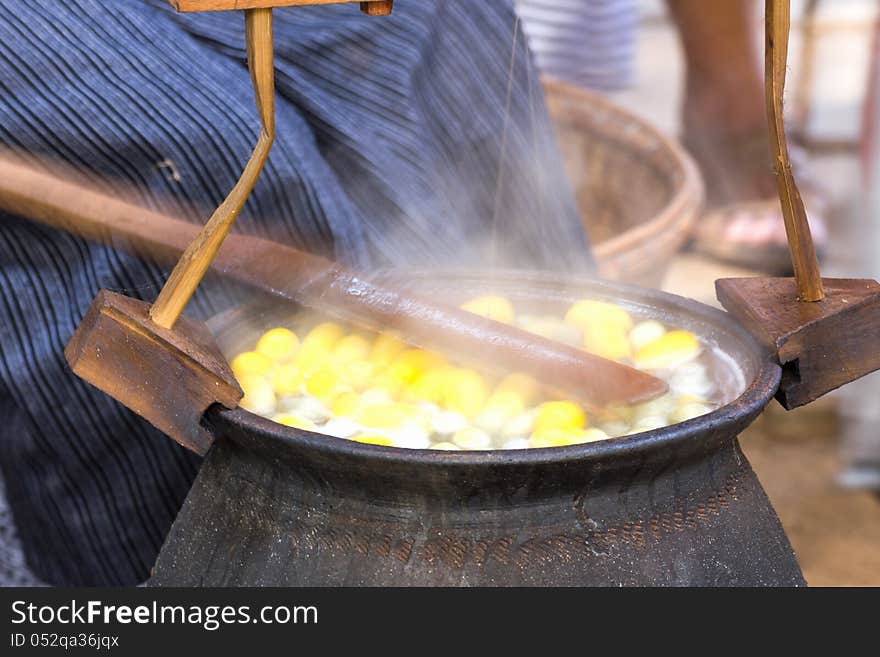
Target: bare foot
{"x":743,"y":223}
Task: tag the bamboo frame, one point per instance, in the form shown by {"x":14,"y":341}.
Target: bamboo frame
{"x":222,"y":5}
{"x":191,"y":268}
{"x":797,"y":228}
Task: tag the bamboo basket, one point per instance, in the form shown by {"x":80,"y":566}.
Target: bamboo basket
{"x":638,"y":191}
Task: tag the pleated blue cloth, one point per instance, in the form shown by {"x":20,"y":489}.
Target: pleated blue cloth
{"x":590,"y":43}
{"x":417,"y":139}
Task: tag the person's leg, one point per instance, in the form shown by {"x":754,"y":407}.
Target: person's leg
{"x":724,"y":78}
{"x":725,"y":126}
{"x":723,"y":114}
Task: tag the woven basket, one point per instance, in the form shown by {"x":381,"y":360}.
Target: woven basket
{"x":638,"y":191}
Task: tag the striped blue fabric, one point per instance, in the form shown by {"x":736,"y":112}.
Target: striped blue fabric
{"x":401,"y":140}
{"x":590,"y":43}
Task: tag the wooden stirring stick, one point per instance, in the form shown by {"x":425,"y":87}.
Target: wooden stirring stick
{"x":315,"y":282}
{"x":824,"y":332}
{"x":797,"y":229}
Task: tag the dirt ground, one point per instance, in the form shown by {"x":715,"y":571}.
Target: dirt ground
{"x":835,"y":532}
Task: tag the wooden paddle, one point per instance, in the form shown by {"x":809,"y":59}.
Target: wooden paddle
{"x":316,"y":282}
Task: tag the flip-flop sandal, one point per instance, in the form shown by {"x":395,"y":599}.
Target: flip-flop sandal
{"x":752,"y":235}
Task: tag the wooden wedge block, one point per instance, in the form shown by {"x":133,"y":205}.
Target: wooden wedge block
{"x":821,"y":345}
{"x":168,"y":377}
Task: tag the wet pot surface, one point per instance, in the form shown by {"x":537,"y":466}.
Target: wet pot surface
{"x":274,"y":505}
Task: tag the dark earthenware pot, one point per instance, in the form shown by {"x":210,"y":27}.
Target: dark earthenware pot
{"x":681,"y":505}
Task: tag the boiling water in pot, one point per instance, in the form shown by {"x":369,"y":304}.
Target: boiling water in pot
{"x":323,"y":376}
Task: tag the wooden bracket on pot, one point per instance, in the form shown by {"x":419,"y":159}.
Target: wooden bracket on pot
{"x":824,"y":332}
{"x":821,"y":345}
{"x":168,"y":377}
{"x":164,"y":367}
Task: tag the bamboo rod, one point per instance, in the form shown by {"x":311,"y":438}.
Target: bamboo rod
{"x":797,"y":229}
{"x":191,"y":267}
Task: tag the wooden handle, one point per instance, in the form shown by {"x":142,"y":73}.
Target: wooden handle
{"x":318,"y":283}
{"x":797,"y":229}
{"x":197,"y":258}
{"x":377,"y":7}
{"x":222,"y":5}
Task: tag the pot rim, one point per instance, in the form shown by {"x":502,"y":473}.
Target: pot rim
{"x":742,"y":409}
